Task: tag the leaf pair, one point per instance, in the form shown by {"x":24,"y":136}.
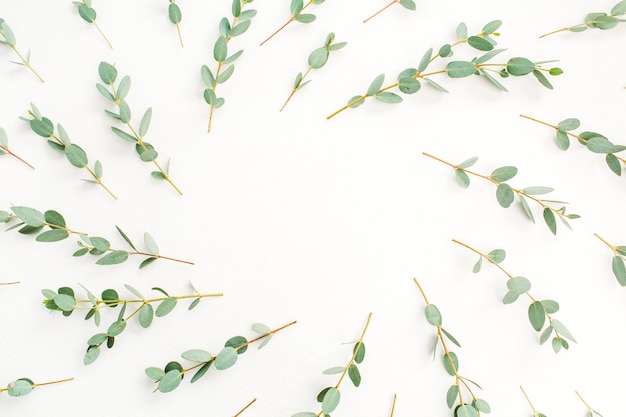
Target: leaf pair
{"x":88,"y":14}
{"x":7,"y":37}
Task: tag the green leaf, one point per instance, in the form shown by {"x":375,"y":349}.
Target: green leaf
{"x":305,"y":18}
{"x":409,"y":85}
{"x":239,"y":343}
{"x":548,"y":217}
{"x":542,"y":79}
{"x":260,"y":328}
{"x":161,"y":290}
{"x":600,"y":144}
{"x":220,"y":50}
{"x":497,"y":255}
{"x":266,"y":340}
{"x":520,"y":66}
{"x":460,"y":69}
{"x":466,"y":411}
{"x":550,"y":306}
{"x":98,"y":169}
{"x":334,"y":370}
{"x":76,"y":155}
{"x":207,"y":76}
{"x":619,"y":8}
{"x":233,"y":57}
{"x":318,"y":58}
{"x":305,"y":414}
{"x":481,"y":405}
{"x":503,"y":174}
{"x":505,"y":195}
{"x":360,"y":355}
{"x":451,"y":395}
{"x":613,"y":163}
{"x":518,"y":285}
{"x":492,"y":26}
{"x":149,"y":155}
{"x":479,"y":43}
{"x":123,"y":135}
{"x":433,"y":315}
{"x":31,"y":217}
{"x":569,"y":124}
{"x":224,"y":76}
{"x":331,"y":400}
{"x":147,"y":262}
{"x":170,"y":381}
{"x":510,"y":297}
{"x":445,"y":51}
{"x":155,"y":373}
{"x":526,"y":207}
{"x":91,"y":355}
{"x":166,"y":306}
{"x":355,"y":375}
{"x":537,"y":190}
{"x":107,"y":73}
{"x":619,"y":270}
{"x":605,"y":22}
{"x":451,"y":356}
{"x":65,"y":302}
{"x":54,"y":235}
{"x":296,"y":6}
{"x":174,"y":13}
{"x":486,"y":57}
{"x":537,"y":315}
{"x":200,"y":373}
{"x":113,"y":258}
{"x":43,"y":127}
{"x":387,"y":97}
{"x":124,"y":87}
{"x":97,"y":339}
{"x":20,"y":387}
{"x":240,"y":28}
{"x":556,"y":344}
{"x":492,"y":80}
{"x":247,"y":14}
{"x":150,"y":244}
{"x":146,"y":315}
{"x":8,"y":33}
{"x":336,"y":46}
{"x":409,"y":4}
{"x":376,"y":85}
{"x":562,"y":330}
{"x":562,"y":140}
{"x":462,"y":177}
{"x":461,"y":31}
{"x":357,"y":101}
{"x":226,"y":358}
{"x":125,"y":113}
{"x":478,"y":265}
{"x":87,"y":13}
{"x":425,"y":61}
{"x":194,"y":303}
{"x":197,"y":355}
{"x":116,"y":328}
{"x":145,"y":122}
{"x":545,"y":335}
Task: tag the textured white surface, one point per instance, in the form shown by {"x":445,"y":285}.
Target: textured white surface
{"x":296,"y":217}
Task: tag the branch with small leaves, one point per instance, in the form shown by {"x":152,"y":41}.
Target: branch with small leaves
{"x":409,"y":79}
{"x":170,"y":377}
{"x":330,"y":396}
{"x":539,"y":312}
{"x":7,"y":37}
{"x":33,"y":222}
{"x":176,"y":17}
{"x":619,"y":255}
{"x":407,"y":4}
{"x":4,"y":148}
{"x":505,"y":194}
{"x":64,"y":300}
{"x":532,"y":407}
{"x":146,"y":152}
{"x":296,"y":8}
{"x":317,"y":59}
{"x":88,"y":14}
{"x":228,"y":30}
{"x":594,"y":142}
{"x":451,"y":365}
{"x":597,"y":20}
{"x":590,"y":411}
{"x":24,"y":386}
{"x":61,"y":142}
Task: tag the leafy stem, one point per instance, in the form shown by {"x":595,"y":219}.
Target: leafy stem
{"x":619,"y":255}
{"x":4,"y":148}
{"x":409,"y":4}
{"x":8,"y":38}
{"x":88,"y":14}
{"x":357,"y":347}
{"x":24,"y":386}
{"x":532,"y":407}
{"x":590,"y":411}
{"x":296,"y":8}
{"x":176,"y":16}
{"x":597,"y":20}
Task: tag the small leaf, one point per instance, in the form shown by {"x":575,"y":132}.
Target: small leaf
{"x":388,"y":97}
{"x":545,"y":335}
{"x":505,"y":195}
{"x":30,"y":216}
{"x":478,"y":265}
{"x":537,"y":315}
{"x":492,"y":26}
{"x":226,"y":358}
{"x":296,"y":6}
{"x":107,"y":72}
{"x":460,"y":69}
{"x":113,"y":258}
{"x":305,"y":18}
{"x":600,"y":145}
{"x":197,"y":355}
{"x":145,"y":122}
{"x":619,"y":270}
{"x":123,"y":135}
{"x":479,"y":43}
{"x":170,"y":381}
{"x":562,"y":140}
{"x":146,"y":315}
{"x":155,"y":373}
{"x":462,"y":177}
{"x":220,"y":50}
{"x":538,"y":190}
{"x":224,"y":76}
{"x":334,"y":370}
{"x":376,"y":85}
{"x":569,"y":124}
{"x":207,"y":76}
{"x":43,"y":127}
{"x":468,"y":162}
{"x":526,"y":207}
{"x":510,"y":297}
{"x":520,"y":66}
{"x":98,"y":169}
{"x":175,"y":14}
{"x":614,"y":165}
{"x":451,"y":395}
{"x":76,"y":156}
{"x":433,"y":315}
{"x":461,"y":31}
{"x":548,"y":217}
{"x":20,"y":387}
{"x":425,"y":61}
{"x":360,"y":355}
{"x":409,"y":85}
{"x":166,"y":306}
{"x":518,"y":285}
{"x":260,"y":328}
{"x":503,"y":174}
{"x":150,"y":244}
{"x":562,"y":330}
{"x":355,"y":375}
{"x":409,"y":4}
{"x":8,"y":33}
{"x":466,"y":411}
{"x":497,"y":255}
{"x":91,"y":355}
{"x":54,"y":235}
{"x":451,"y":367}
{"x":240,"y":28}
{"x":200,"y":373}
{"x":550,"y":306}
{"x":331,"y":400}
{"x":318,"y":58}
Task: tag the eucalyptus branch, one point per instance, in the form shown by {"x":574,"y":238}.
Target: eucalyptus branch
{"x":88,"y":14}
{"x":317,"y":59}
{"x":539,"y":311}
{"x":176,"y":16}
{"x":245,"y":408}
{"x":61,"y":142}
{"x":330,"y":396}
{"x":409,"y":79}
{"x":451,"y":365}
{"x":170,"y":377}
{"x":296,"y":8}
{"x":7,"y":37}
{"x":4,"y":148}
{"x":602,"y":21}
{"x":224,"y":71}
{"x":31,"y":222}
{"x":146,"y":152}
{"x":535,"y":412}
{"x":24,"y":386}
{"x":619,"y":256}
{"x":408,"y":4}
{"x":64,"y":300}
{"x":505,"y":194}
{"x":594,"y":142}
{"x":590,"y":411}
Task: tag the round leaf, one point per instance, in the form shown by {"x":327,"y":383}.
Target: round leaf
{"x":318,"y":58}
{"x":170,"y":381}
{"x":76,"y":156}
{"x":433,"y":315}
{"x":520,"y":66}
{"x":226,"y":358}
{"x":518,"y":285}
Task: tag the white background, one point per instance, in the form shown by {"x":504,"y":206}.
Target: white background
{"x":295,"y":217}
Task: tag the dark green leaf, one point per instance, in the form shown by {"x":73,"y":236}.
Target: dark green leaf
{"x":548,"y":217}
{"x":87,"y":13}
{"x":200,"y":373}
{"x":174,"y":13}
{"x":239,"y":343}
{"x":355,"y":375}
{"x":43,"y":127}
{"x":360,"y":355}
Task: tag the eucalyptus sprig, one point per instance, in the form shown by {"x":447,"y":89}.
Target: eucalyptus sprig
{"x":7,"y":37}
{"x":594,"y":142}
{"x":590,"y":411}
{"x":64,"y":300}
{"x":535,"y":412}
{"x":61,"y":142}
{"x":619,"y":256}
{"x":407,"y":4}
{"x":409,"y":79}
{"x":88,"y":14}
{"x":451,"y":365}
{"x":145,"y":150}
{"x":4,"y":148}
{"x":330,"y":396}
{"x":239,"y":24}
{"x":170,"y":377}
{"x":24,"y":386}
{"x":539,"y":312}
{"x":176,"y":17}
{"x":597,"y":20}
{"x":317,"y":59}
{"x":505,"y":194}
{"x":296,"y":8}
{"x":33,"y":222}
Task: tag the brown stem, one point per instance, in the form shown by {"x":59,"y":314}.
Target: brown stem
{"x":180,"y":38}
{"x":53,"y":382}
{"x":380,"y":11}
{"x":100,"y":183}
{"x":287,"y":23}
{"x":26,"y":63}
{"x":245,"y":408}
{"x":393,"y":405}
{"x":103,"y":35}
{"x":8,"y":151}
{"x":357,"y":347}
{"x":296,"y":88}
{"x":606,"y":243}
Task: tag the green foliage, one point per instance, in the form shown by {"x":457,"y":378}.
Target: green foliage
{"x":481,"y":66}
{"x":24,"y":386}
{"x":88,"y":14}
{"x":51,"y":227}
{"x":145,"y":151}
{"x":598,"y":20}
{"x":505,"y":194}
{"x":64,"y":300}
{"x":539,"y":312}
{"x":7,"y":37}
{"x":296,"y":8}
{"x":170,"y":377}
{"x":407,"y":4}
{"x":225,"y":68}
{"x":617,"y":262}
